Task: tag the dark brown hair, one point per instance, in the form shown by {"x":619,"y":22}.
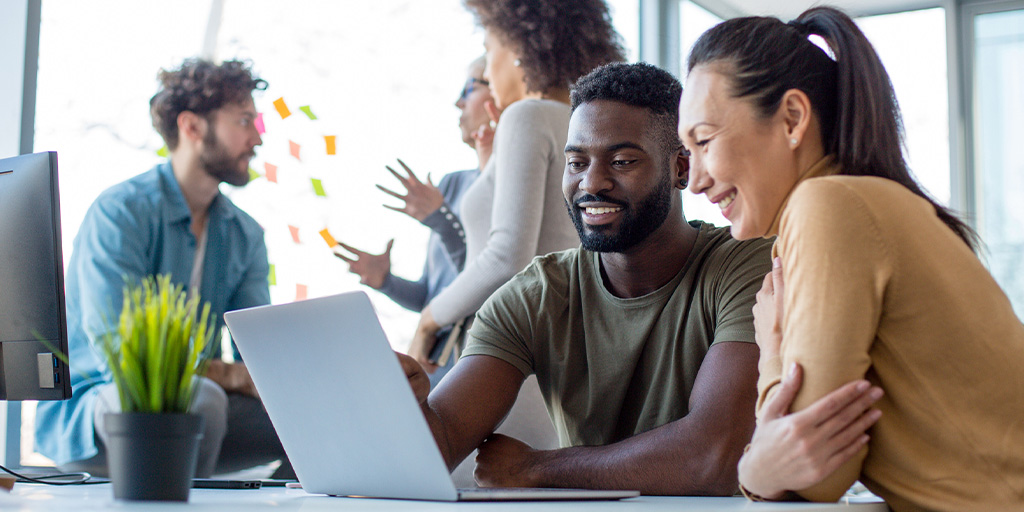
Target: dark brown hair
{"x":558,"y":41}
{"x":201,"y":87}
{"x":852,"y":96}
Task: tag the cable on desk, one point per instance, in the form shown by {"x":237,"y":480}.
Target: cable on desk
{"x":81,"y":478}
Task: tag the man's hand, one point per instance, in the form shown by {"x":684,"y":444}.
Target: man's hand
{"x":372,"y":269}
{"x":791,"y":452}
{"x":421,"y":198}
{"x":424,"y":339}
{"x":502,"y":461}
{"x":231,"y":377}
{"x":418,"y":380}
{"x":768,"y":312}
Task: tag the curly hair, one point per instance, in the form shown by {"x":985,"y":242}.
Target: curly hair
{"x":201,"y":87}
{"x":639,"y":85}
{"x":557,"y":41}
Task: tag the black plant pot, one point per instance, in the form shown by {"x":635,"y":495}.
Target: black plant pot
{"x":152,"y":456}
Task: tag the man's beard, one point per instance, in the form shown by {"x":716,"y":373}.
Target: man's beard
{"x":219,"y":164}
{"x":636,"y":224}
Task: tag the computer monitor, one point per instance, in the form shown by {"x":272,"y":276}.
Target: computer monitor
{"x":33,"y":319}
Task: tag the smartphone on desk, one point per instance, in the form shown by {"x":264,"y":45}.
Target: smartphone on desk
{"x":214,"y":483}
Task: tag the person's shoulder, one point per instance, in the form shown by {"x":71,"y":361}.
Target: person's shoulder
{"x":534,"y":109}
{"x":136,"y":196}
{"x":836,"y":194}
{"x":721,"y":245}
{"x":456,"y":180}
{"x":553,"y":269}
{"x":248,"y":225}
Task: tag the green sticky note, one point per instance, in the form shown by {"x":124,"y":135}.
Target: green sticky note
{"x":309,"y":112}
{"x":272,"y":276}
{"x":163,"y":152}
{"x":253,"y":174}
{"x":318,"y":187}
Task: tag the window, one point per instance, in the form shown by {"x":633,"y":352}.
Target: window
{"x":998,"y":127}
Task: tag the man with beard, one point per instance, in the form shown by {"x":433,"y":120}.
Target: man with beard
{"x":172,"y":220}
{"x":642,"y":339}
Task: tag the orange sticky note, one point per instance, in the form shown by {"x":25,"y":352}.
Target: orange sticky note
{"x":331,"y":148}
{"x":294,"y":148}
{"x":331,"y":242}
{"x":282,"y":108}
{"x":295,"y":233}
{"x":271,"y":172}
{"x":301,"y":292}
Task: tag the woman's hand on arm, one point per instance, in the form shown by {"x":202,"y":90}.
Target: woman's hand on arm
{"x":791,"y":452}
{"x":421,"y":197}
{"x":483,"y":138}
{"x":768,"y":312}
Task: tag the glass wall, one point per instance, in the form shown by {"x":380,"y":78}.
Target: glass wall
{"x":998,"y":104}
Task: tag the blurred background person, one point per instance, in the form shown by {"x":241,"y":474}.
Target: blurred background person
{"x":437,"y":208}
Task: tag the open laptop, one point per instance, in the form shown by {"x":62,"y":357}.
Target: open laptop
{"x":344,"y":410}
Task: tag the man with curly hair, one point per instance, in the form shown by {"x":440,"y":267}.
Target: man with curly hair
{"x":172,"y":220}
{"x":642,"y":339}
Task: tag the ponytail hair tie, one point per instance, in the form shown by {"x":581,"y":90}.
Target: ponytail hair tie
{"x":802,"y":28}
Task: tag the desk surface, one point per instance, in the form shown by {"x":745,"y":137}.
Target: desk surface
{"x":34,"y":497}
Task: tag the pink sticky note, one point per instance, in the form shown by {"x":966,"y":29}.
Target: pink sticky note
{"x":259,"y":124}
{"x":295,"y":233}
{"x":294,"y":148}
{"x":301,"y":292}
{"x":271,"y":172}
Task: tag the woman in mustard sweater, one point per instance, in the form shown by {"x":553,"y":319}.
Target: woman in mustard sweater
{"x":803,"y":142}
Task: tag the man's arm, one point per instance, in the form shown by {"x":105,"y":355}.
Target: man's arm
{"x":695,"y":455}
{"x":468,"y":404}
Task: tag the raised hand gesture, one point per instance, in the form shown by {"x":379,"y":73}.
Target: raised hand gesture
{"x":371,"y":268}
{"x":421,"y":198}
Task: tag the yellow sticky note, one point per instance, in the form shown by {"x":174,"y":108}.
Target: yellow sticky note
{"x":331,"y":148}
{"x":282,"y":108}
{"x":163,"y":152}
{"x":331,"y":242}
{"x":272,"y":276}
{"x":309,"y":112}
{"x":318,"y":187}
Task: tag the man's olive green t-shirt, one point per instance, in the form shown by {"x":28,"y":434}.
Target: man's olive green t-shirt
{"x":610,"y":368}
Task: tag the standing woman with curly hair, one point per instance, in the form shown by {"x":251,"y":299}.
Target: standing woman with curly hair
{"x":515,"y":210}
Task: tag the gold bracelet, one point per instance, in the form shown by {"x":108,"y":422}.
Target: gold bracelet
{"x":751,"y":496}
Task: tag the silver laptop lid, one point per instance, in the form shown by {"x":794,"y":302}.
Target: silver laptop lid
{"x":339,"y":399}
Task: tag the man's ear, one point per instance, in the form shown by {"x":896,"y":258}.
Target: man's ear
{"x":682,"y":176}
{"x":191,"y":127}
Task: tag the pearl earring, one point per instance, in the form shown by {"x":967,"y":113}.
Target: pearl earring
{"x":792,"y":142}
{"x":517,"y":63}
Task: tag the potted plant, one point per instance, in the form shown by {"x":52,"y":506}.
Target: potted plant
{"x":156,"y":351}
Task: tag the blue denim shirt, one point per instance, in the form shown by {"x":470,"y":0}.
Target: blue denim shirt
{"x":134,"y":229}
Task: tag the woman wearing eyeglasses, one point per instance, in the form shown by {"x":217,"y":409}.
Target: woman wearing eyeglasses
{"x":514,"y":210}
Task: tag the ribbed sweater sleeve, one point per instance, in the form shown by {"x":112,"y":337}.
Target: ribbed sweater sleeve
{"x":524,"y":153}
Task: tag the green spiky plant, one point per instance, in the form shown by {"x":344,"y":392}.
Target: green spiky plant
{"x":158,"y":347}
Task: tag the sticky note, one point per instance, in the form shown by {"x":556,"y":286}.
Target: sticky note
{"x":295,"y":233}
{"x":294,"y":148}
{"x":331,"y":148}
{"x":282,"y":108}
{"x":253,"y":174}
{"x":318,"y":187}
{"x":271,"y":172}
{"x":309,"y":113}
{"x":259,"y":124}
{"x":331,"y":242}
{"x":272,"y":276}
{"x":163,"y":151}
{"x":301,"y":292}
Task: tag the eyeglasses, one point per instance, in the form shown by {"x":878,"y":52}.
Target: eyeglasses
{"x":471,"y":84}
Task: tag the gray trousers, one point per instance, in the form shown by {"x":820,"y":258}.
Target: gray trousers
{"x":237,"y":433}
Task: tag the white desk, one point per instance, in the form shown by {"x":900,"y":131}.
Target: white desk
{"x":34,"y":497}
